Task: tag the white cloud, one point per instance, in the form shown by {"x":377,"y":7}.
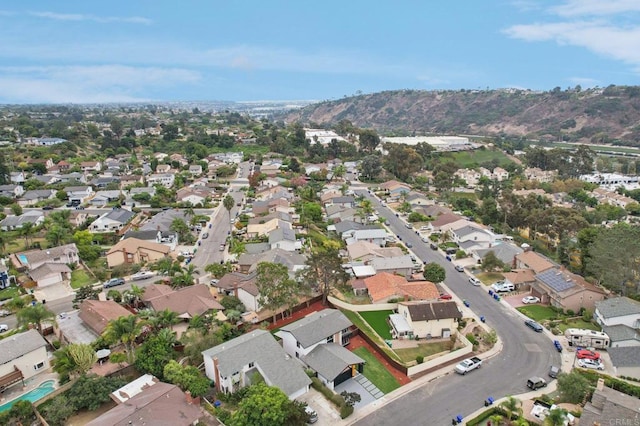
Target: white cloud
{"x":87,"y":84}
{"x":101,"y":19}
{"x":596,"y":7}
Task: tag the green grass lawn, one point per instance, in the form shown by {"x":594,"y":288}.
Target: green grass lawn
{"x":9,"y":293}
{"x":80,"y":278}
{"x":489,"y":278}
{"x":376,"y":372}
{"x":579,"y":323}
{"x":466,"y":159}
{"x":538,"y":312}
{"x":424,"y":349}
{"x":378,"y":321}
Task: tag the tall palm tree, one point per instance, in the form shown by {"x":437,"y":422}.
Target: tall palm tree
{"x":133,"y":295}
{"x":124,"y":330}
{"x":185,"y":277}
{"x":556,"y":417}
{"x":200,"y":323}
{"x":27,"y":230}
{"x":167,"y":318}
{"x":512,"y":406}
{"x":34,"y":315}
{"x":228,"y":204}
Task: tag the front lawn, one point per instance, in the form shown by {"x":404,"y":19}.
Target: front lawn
{"x":425,"y":350}
{"x":376,"y":372}
{"x":80,"y":278}
{"x":578,"y":323}
{"x":9,"y":293}
{"x":538,"y":312}
{"x":489,"y":278}
{"x":378,"y":321}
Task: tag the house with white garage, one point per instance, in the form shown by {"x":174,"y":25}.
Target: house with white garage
{"x":376,"y":236}
{"x":285,"y":239}
{"x":22,"y":356}
{"x":618,"y":311}
{"x":256,"y":355}
{"x":112,"y":221}
{"x":79,"y":194}
{"x":318,"y":341}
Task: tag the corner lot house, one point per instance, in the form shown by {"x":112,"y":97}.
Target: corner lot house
{"x":133,"y":250}
{"x":22,"y":356}
{"x":232,"y":365}
{"x":425,"y":319}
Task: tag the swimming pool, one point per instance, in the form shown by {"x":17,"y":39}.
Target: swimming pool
{"x":44,"y":389}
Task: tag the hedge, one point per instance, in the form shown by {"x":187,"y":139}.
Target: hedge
{"x":338,"y":400}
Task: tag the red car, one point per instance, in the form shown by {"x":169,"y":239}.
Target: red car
{"x":445,"y":296}
{"x":587,"y":354}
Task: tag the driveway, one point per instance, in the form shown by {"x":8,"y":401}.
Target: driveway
{"x":353,"y":385}
{"x":328,"y":414}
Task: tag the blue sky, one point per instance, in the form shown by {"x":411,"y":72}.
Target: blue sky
{"x":155,"y":50}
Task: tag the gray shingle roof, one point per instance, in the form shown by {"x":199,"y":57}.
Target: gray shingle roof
{"x":625,"y":356}
{"x":331,"y":359}
{"x":281,"y":234}
{"x":617,"y":307}
{"x":621,"y":332}
{"x":261,"y":348}
{"x":386,"y":263}
{"x":610,"y":407}
{"x":317,"y":326}
{"x":433,"y":311}
{"x":503,"y":251}
{"x":120,"y":215}
{"x":20,"y":344}
{"x":468,"y":230}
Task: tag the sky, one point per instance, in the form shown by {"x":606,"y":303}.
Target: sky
{"x":200,"y":50}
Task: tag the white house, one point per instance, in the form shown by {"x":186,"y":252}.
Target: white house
{"x":112,"y":221}
{"x":22,"y":356}
{"x":79,"y":194}
{"x":285,"y":239}
{"x":375,"y":236}
{"x":425,"y":319}
{"x":36,"y":217}
{"x":232,"y":364}
{"x":164,"y":179}
{"x":618,"y":311}
{"x":472,"y":233}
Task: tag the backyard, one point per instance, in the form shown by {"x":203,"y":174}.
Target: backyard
{"x":376,"y":372}
{"x":378,"y":321}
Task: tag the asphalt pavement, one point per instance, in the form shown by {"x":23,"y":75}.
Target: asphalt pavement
{"x":525,"y":353}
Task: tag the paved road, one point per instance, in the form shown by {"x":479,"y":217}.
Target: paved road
{"x":525,"y":353}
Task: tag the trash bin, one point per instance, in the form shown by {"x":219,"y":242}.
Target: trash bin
{"x":482,"y":318}
{"x":490,"y":292}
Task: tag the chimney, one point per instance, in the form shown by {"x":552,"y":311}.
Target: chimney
{"x":187,"y":394}
{"x":217,"y":373}
{"x":235,"y":288}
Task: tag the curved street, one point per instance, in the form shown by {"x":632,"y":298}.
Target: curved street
{"x":525,"y":353}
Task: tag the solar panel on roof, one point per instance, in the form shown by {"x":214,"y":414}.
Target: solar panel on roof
{"x":556,"y":281}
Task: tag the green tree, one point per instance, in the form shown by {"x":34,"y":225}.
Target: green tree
{"x":512,"y":406}
{"x":276,"y":289}
{"x":490,"y":262}
{"x":89,"y":392}
{"x":57,"y":235}
{"x":556,"y":417}
{"x":219,"y":270}
{"x":572,"y":387}
{"x":402,"y":160}
{"x":83,"y":357}
{"x":434,"y":272}
{"x":35,"y":315}
{"x":179,"y":226}
{"x":185,"y":277}
{"x":124,"y":330}
{"x":188,"y":378}
{"x":368,"y":140}
{"x":27,"y":230}
{"x":228,"y":202}
{"x":264,"y":406}
{"x":16,"y":209}
{"x":155,"y":353}
{"x":323,"y":272}
{"x":86,"y":292}
{"x":133,"y":296}
{"x":58,"y":410}
{"x":370,"y":167}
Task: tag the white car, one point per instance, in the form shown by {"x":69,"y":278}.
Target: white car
{"x":590,"y":363}
{"x":474,"y":281}
{"x":142,"y":275}
{"x":530,"y":299}
{"x":3,"y":328}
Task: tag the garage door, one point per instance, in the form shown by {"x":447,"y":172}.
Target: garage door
{"x":346,"y":375}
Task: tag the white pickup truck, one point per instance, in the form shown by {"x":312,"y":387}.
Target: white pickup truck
{"x":467,"y":365}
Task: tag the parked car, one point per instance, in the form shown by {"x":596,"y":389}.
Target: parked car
{"x":554,"y":371}
{"x":445,"y":296}
{"x":113,"y":282}
{"x":205,"y":235}
{"x":141,"y":275}
{"x":433,"y":246}
{"x":502,"y":287}
{"x":3,"y":328}
{"x":536,"y":383}
{"x":47,"y":208}
{"x":557,"y":345}
{"x":530,"y":299}
{"x":222,"y":246}
{"x":596,"y":364}
{"x":474,"y":281}
{"x":214,"y":281}
{"x":409,"y":245}
{"x":459,"y":268}
{"x":4,"y":313}
{"x":587,"y":354}
{"x":408,"y":226}
{"x":312,"y":416}
{"x":534,"y":325}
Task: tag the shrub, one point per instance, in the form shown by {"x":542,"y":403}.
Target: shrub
{"x":419,"y":359}
{"x":345,"y":411}
{"x":471,"y":338}
{"x":223,"y":415}
{"x":570,"y":312}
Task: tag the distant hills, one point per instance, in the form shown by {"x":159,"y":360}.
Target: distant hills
{"x":609,"y":115}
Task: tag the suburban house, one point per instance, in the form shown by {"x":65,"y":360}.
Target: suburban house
{"x":376,"y":236}
{"x":342,"y":201}
{"x":49,"y":274}
{"x":562,"y":289}
{"x":96,"y":314}
{"x":168,"y":238}
{"x":291,"y":259}
{"x":187,"y":302}
{"x":164,"y":179}
{"x":505,"y":252}
{"x":622,"y":335}
{"x":617,"y":311}
{"x":11,"y":191}
{"x":318,"y":340}
{"x":233,"y":364}
{"x":444,"y":221}
{"x":625,"y":361}
{"x":163,"y":168}
{"x":22,"y":356}
{"x":102,"y":198}
{"x":193,"y":196}
{"x":133,"y":250}
{"x":17,"y":177}
{"x":195,"y":169}
{"x":285,"y":239}
{"x":242,"y":286}
{"x":609,"y":407}
{"x":425,"y":320}
{"x":90,"y":166}
{"x":112,"y":221}
{"x":473,"y":233}
{"x":33,"y":259}
{"x":35,"y":217}
{"x":151,"y":402}
{"x":79,"y":194}
{"x":395,"y":189}
{"x":258,"y":229}
{"x":384,"y":286}
{"x":34,"y":196}
{"x":399,"y":265}
{"x":534,"y":261}
{"x":418,"y":199}
{"x":364,"y":251}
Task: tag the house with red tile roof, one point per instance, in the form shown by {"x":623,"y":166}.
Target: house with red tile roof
{"x":384,"y":286}
{"x":187,"y":302}
{"x":96,"y":314}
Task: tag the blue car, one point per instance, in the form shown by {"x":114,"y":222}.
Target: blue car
{"x":558,"y":345}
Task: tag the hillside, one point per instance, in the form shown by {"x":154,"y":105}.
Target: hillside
{"x":593,"y":115}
